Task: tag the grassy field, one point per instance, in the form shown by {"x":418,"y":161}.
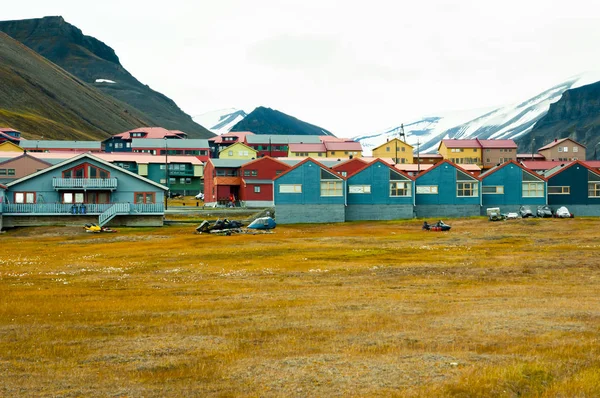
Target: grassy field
{"x":355,"y":309}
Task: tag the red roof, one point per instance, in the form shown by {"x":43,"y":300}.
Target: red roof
{"x":497,"y":143}
{"x":239,"y":134}
{"x":468,"y":169}
{"x":152,"y":132}
{"x":461,"y":143}
{"x":535,"y":156}
{"x":307,"y":148}
{"x":556,"y":142}
{"x":592,"y":163}
{"x":542,"y":164}
{"x":343,"y":146}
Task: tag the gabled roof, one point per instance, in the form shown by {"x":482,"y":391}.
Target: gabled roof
{"x":392,"y":140}
{"x":94,"y":158}
{"x":282,"y":139}
{"x":542,"y":164}
{"x":8,"y":130}
{"x":499,"y":167}
{"x":430,"y":156}
{"x":320,"y":147}
{"x":237,"y":143}
{"x":557,"y":142}
{"x":27,"y":156}
{"x":230,"y":163}
{"x":322,"y":166}
{"x":491,"y":144}
{"x":385,"y":164}
{"x":151,"y":132}
{"x":34,"y":144}
{"x":354,"y":160}
{"x":11,"y":145}
{"x":446,"y":161}
{"x":9,"y":137}
{"x":263,"y":159}
{"x":239,"y":134}
{"x":531,"y":156}
{"x":146,"y":158}
{"x":454,"y":143}
{"x":560,"y":169}
{"x":343,"y":146}
{"x":170,"y":144}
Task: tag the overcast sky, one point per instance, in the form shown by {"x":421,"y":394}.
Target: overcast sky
{"x":352,"y":67}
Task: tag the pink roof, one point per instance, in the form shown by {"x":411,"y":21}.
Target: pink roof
{"x":529,"y":156}
{"x":595,"y":164}
{"x":152,"y":132}
{"x":497,"y":144}
{"x":331,"y":138}
{"x":410,"y":167}
{"x":307,"y":148}
{"x":239,"y":134}
{"x":110,"y":157}
{"x":370,"y":159}
{"x":556,"y":142}
{"x":343,"y":146}
{"x":461,"y":143}
{"x":7,"y":129}
{"x":542,"y":164}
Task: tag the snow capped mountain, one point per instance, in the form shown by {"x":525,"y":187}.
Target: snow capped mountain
{"x":220,"y":121}
{"x":508,"y":122}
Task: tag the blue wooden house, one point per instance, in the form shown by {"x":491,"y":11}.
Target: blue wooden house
{"x":378,"y":191}
{"x":576,"y":186}
{"x":447,"y":190}
{"x":309,"y":192}
{"x":510,"y":186}
{"x":80,"y":190}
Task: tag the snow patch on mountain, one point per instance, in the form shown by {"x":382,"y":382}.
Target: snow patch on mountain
{"x":507,"y":122}
{"x":220,"y":121}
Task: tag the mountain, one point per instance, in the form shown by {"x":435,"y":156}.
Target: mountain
{"x":41,"y":99}
{"x":508,"y":122}
{"x":95,"y":63}
{"x":269,"y":121}
{"x":576,"y":115}
{"x":220,"y":121}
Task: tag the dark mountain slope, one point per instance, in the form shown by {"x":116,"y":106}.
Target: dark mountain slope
{"x":90,"y":59}
{"x":41,"y":99}
{"x":576,"y":115}
{"x":269,"y":121}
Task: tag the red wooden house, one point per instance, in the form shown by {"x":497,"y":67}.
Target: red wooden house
{"x":221,"y":180}
{"x":349,"y":167}
{"x":257,"y":181}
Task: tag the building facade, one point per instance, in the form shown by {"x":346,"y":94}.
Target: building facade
{"x":396,"y":149}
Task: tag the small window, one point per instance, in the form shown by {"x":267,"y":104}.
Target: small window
{"x":387,"y":148}
{"x":427,"y":189}
{"x":188,"y":180}
{"x":290,"y":188}
{"x":594,"y":190}
{"x":257,"y":189}
{"x":24,"y":197}
{"x":559,"y":190}
{"x":246,"y":173}
{"x":2,"y":172}
{"x":575,"y":149}
{"x":533,"y":190}
{"x":230,"y":153}
{"x":466,"y":189}
{"x":399,"y":188}
{"x":11,"y":172}
{"x":492,"y":189}
{"x":331,"y":188}
{"x":359,"y":189}
{"x":182,"y":180}
{"x":254,"y":173}
{"x":172,"y":180}
{"x":144,"y":197}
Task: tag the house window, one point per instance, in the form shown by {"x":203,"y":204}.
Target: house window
{"x":277,"y":172}
{"x":230,"y":153}
{"x":399,"y":188}
{"x":2,"y":172}
{"x":290,"y":188}
{"x":492,"y":189}
{"x":559,"y":190}
{"x":403,"y":149}
{"x":331,"y":188}
{"x":387,"y":148}
{"x":333,"y":152}
{"x":70,"y":197}
{"x":566,"y":149}
{"x":182,"y":180}
{"x":320,"y":154}
{"x":11,"y":172}
{"x":144,"y":197}
{"x":172,"y":180}
{"x":359,"y":189}
{"x":246,"y":173}
{"x":466,"y":189}
{"x":254,"y":173}
{"x":257,"y":189}
{"x":427,"y":189}
{"x":344,"y":173}
{"x":575,"y":149}
{"x":594,"y":189}
{"x":24,"y":197}
{"x":188,"y":180}
{"x":487,"y":160}
{"x":533,"y":190}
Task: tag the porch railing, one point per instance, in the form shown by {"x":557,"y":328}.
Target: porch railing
{"x":87,"y":208}
{"x":114,"y":210}
{"x":84,"y":183}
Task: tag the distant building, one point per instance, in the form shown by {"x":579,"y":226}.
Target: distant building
{"x":485,"y":153}
{"x":61,"y":146}
{"x":20,"y":166}
{"x":188,"y":147}
{"x":9,"y":146}
{"x":398,"y":150}
{"x":564,"y":149}
{"x":10,"y":134}
{"x":314,"y":150}
{"x":238,"y":151}
{"x":224,"y":140}
{"x":343,"y":149}
{"x":277,"y":145}
{"x":495,"y":152}
{"x":122,"y":142}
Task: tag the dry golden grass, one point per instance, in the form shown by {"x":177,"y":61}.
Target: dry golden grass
{"x":355,"y":309}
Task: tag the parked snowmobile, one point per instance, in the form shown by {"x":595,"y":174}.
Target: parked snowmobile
{"x":438,"y":226}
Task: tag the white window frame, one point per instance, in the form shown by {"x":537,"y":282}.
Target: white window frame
{"x":427,"y":189}
{"x":329,"y":192}
{"x":406,"y":188}
{"x":257,"y":189}
{"x":564,"y":190}
{"x":290,"y":188}
{"x":575,"y":149}
{"x":474,"y":189}
{"x":595,"y":189}
{"x":529,"y":184}
{"x":499,"y":189}
{"x":359,"y":189}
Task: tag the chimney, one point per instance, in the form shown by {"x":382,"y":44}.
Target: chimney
{"x":556,"y":140}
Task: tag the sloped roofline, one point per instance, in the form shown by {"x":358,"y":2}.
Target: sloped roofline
{"x":378,"y":160}
{"x":435,"y":166}
{"x":350,"y":160}
{"x":238,"y":143}
{"x":88,"y":156}
{"x":495,"y":169}
{"x":25,"y":154}
{"x":555,"y":143}
{"x":265,"y":157}
{"x":322,"y":166}
{"x":579,"y":162}
{"x":387,"y":142}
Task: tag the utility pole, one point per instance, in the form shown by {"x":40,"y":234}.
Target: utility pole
{"x":418,"y":158}
{"x":166,"y":173}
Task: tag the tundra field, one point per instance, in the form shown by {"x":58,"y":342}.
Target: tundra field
{"x":356,"y":309}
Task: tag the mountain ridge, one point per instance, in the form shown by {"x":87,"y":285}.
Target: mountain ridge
{"x":263,"y":120}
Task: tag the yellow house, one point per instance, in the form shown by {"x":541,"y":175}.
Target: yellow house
{"x":307,"y":150}
{"x":461,"y":151}
{"x":403,"y":151}
{"x":8,"y":146}
{"x":238,"y":151}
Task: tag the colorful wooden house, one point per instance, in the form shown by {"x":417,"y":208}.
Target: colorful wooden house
{"x":509,"y":186}
{"x":563,"y":150}
{"x":122,"y":142}
{"x":576,"y":186}
{"x":379,"y":192}
{"x":221,"y":180}
{"x":80,"y":190}
{"x":447,"y":190}
{"x":398,"y":150}
{"x":61,"y":146}
{"x":20,"y":166}
{"x":9,"y":146}
{"x":238,"y":151}
{"x":188,"y":147}
{"x":9,"y":134}
{"x":350,"y":166}
{"x":275,"y":145}
{"x":343,"y":149}
{"x":256,"y":189}
{"x":461,"y":151}
{"x":309,"y":192}
{"x":224,"y":140}
{"x":314,"y":150}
